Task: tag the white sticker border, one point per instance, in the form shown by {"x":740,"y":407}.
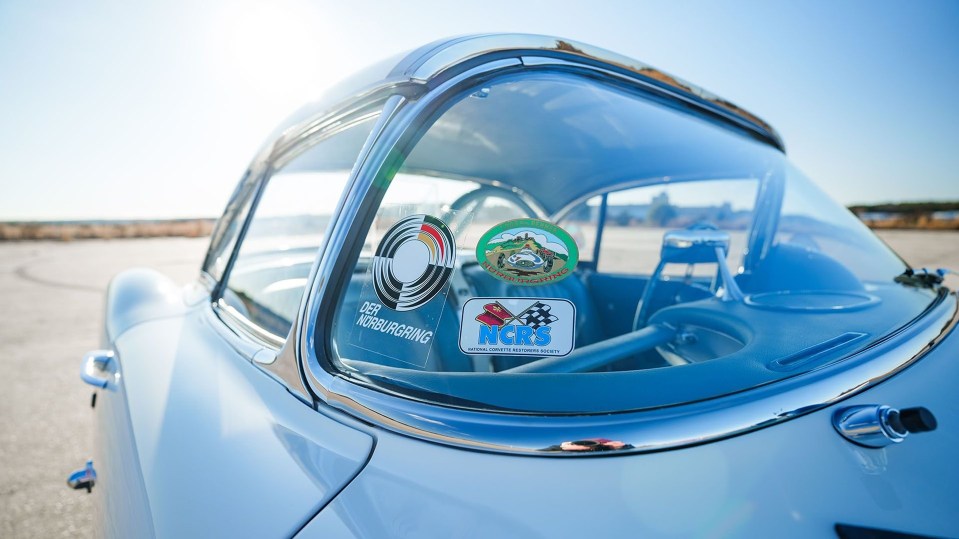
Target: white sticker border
{"x":466,"y":321}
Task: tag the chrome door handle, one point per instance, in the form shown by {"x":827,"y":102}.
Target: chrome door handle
{"x":85,"y":477}
{"x":877,"y":426}
{"x":94,"y":364}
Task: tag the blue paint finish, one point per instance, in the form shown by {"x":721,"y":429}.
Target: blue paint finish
{"x":196,"y":441}
{"x":122,"y":508}
{"x":796,"y":479}
{"x":224,"y":449}
{"x":138,"y":295}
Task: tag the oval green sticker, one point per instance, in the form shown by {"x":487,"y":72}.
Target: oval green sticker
{"x":527,"y":252}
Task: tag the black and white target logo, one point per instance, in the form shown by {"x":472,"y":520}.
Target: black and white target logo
{"x":413,"y":262}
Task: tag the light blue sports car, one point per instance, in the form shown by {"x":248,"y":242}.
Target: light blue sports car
{"x":518,"y":286}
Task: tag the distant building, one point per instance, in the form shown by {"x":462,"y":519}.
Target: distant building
{"x":678,"y":216}
{"x":951,"y":215}
{"x":875,"y":216}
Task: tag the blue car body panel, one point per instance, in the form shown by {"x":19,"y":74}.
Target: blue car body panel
{"x":223,"y":449}
{"x":221,"y":416}
{"x":797,"y":479}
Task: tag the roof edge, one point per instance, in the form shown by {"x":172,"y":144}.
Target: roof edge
{"x":432,"y":60}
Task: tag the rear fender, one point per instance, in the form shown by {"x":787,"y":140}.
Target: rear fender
{"x":138,"y":295}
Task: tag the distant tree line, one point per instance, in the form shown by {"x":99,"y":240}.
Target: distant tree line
{"x":907,"y":207}
{"x":78,"y":230}
{"x":940,"y":215}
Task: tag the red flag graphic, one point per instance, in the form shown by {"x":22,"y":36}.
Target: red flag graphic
{"x":494,"y":314}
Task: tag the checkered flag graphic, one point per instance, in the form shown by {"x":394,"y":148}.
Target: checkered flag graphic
{"x":537,"y":315}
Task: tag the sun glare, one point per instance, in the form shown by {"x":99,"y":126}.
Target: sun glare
{"x":277,"y":50}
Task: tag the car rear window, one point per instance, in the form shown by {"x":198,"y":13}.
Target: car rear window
{"x":556,"y":244}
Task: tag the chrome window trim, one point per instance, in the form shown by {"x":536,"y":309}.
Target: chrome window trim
{"x":258,"y":184}
{"x":313,"y":132}
{"x":207,"y":281}
{"x":243,"y":342}
{"x":245,"y":190}
{"x":530,"y":434}
{"x":230,"y":321}
{"x":310,"y":134}
{"x":432,"y":61}
{"x":243,"y":326}
{"x":704,"y":102}
{"x":334,"y":236}
{"x":356,"y":206}
{"x":650,"y":430}
{"x":252,"y":350}
{"x":430,"y":65}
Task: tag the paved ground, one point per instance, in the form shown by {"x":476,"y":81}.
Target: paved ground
{"x":52,"y":302}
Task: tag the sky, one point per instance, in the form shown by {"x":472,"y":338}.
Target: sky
{"x":149,"y":109}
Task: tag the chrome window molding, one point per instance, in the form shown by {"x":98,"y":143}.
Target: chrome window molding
{"x":285,"y":368}
{"x":660,"y":83}
{"x":282,"y":368}
{"x":242,"y":325}
{"x":293,"y":350}
{"x":207,"y":281}
{"x":426,"y":67}
{"x":358,"y":207}
{"x":245,"y":343}
{"x":432,"y":61}
{"x":245,"y":190}
{"x":651,"y":430}
{"x":314,"y":134}
{"x":528,"y":434}
{"x":257,"y":184}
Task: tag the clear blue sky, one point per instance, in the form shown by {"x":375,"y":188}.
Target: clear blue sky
{"x":120,"y":109}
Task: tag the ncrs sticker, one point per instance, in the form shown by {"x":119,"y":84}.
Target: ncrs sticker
{"x":518,"y":327}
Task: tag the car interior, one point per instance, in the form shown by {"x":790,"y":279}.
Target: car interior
{"x":708,"y":264}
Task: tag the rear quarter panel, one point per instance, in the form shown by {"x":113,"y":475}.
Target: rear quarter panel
{"x":793,"y":479}
{"x":211,"y":446}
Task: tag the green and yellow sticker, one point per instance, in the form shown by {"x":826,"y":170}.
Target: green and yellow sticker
{"x":527,"y":252}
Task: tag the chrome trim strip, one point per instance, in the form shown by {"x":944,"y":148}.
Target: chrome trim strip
{"x":653,"y":430}
{"x":345,"y":214}
{"x":245,"y":344}
{"x":537,"y":435}
{"x":429,"y":65}
{"x":228,"y":321}
{"x":207,"y":281}
{"x":398,"y":117}
{"x":304,"y":137}
{"x":242,"y":326}
{"x":656,"y":81}
{"x":456,"y":51}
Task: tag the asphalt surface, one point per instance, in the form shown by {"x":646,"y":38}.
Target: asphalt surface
{"x":52,"y":303}
{"x":52,"y":298}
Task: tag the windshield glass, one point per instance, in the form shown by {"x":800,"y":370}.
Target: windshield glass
{"x":554,"y":244}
